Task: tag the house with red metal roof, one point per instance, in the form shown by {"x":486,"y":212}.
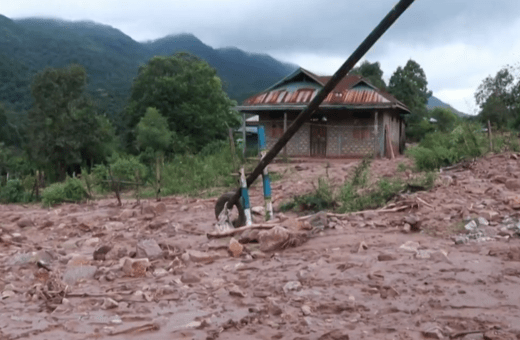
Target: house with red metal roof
{"x":355,"y":120}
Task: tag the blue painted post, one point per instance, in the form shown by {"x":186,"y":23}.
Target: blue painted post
{"x":265,"y":175}
{"x":245,"y":197}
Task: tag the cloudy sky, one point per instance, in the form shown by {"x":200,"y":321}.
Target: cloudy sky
{"x":457,"y":42}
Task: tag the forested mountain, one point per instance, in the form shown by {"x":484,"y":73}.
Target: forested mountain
{"x":112,"y":60}
{"x":434,"y":102}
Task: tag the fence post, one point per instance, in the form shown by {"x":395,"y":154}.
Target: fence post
{"x":490,"y":136}
{"x":244,"y":135}
{"x":375,"y":135}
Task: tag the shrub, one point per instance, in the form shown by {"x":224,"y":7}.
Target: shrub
{"x":13,"y":192}
{"x":71,"y":190}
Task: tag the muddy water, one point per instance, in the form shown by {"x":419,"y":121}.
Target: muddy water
{"x":428,"y":287}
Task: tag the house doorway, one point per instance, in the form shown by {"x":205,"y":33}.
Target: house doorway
{"x":319,"y":140}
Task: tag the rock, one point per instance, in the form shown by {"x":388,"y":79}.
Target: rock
{"x":160,"y":272}
{"x":77,"y":260}
{"x":257,"y":254}
{"x":471,"y":226}
{"x":273,"y":308}
{"x":235,"y":291}
{"x":490,"y":215}
{"x":74,"y":274}
{"x":362,"y":247}
{"x":273,"y":238}
{"x":91,"y":242}
{"x":386,"y":257}
{"x":109,"y":303}
{"x":22,"y":259}
{"x":116,"y":253}
{"x":300,"y":167}
{"x":160,"y":208}
{"x":148,"y":210}
{"x":199,"y":256}
{"x":410,"y":247}
{"x":432,"y":331}
{"x":100,"y":253}
{"x":24,"y":223}
{"x":334,"y":335}
{"x":235,"y":247}
{"x":512,"y":184}
{"x":500,"y":179}
{"x":258,"y":210}
{"x":482,"y":221}
{"x":126,"y":214}
{"x":190,"y":277}
{"x":306,"y":310}
{"x":292,"y":286}
{"x":414,"y":222}
{"x":135,"y":267}
{"x":149,"y":249}
{"x":17,"y":237}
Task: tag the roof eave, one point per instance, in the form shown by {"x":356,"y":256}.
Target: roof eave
{"x":255,"y":108}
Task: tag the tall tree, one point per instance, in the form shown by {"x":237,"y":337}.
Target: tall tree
{"x":372,"y":72}
{"x":188,"y":93}
{"x":409,"y":85}
{"x":153,"y":132}
{"x":64,"y":130}
{"x":499,"y":98}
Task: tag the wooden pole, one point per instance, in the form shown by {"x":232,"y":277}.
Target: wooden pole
{"x":344,"y":69}
{"x":490,"y":137}
{"x":244,"y":135}
{"x":284,"y":130}
{"x":375,"y":135}
{"x":389,"y":142}
{"x":233,"y":151}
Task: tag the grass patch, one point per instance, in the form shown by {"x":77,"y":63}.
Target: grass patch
{"x":356,"y":194}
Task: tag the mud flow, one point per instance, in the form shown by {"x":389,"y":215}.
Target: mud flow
{"x":443,"y":264}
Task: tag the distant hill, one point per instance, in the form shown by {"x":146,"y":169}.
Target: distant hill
{"x":112,"y":60}
{"x":434,"y":102}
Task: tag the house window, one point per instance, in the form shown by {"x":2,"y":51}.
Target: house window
{"x":276,"y":130}
{"x":361,"y":134}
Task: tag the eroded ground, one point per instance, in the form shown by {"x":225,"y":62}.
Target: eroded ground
{"x":72,"y":272}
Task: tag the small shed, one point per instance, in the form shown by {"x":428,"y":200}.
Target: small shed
{"x":353,"y":120}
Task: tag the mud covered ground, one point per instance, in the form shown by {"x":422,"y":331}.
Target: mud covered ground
{"x":99,"y":271}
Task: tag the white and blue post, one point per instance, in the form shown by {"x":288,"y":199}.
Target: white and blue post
{"x":265,"y":175}
{"x":245,"y":197}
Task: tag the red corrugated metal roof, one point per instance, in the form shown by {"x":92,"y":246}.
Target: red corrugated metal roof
{"x":351,"y":90}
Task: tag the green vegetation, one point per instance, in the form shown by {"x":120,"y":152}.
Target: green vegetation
{"x":71,"y":191}
{"x":357,"y":194}
{"x":13,"y":192}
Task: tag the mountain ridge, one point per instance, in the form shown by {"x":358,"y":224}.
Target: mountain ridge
{"x":112,"y":59}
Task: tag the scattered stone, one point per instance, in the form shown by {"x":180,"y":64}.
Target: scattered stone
{"x":432,"y":331}
{"x":160,"y":272}
{"x":76,"y":273}
{"x":260,"y":211}
{"x":190,"y":277}
{"x":109,"y":303}
{"x":100,"y":253}
{"x":512,"y":184}
{"x":149,"y":249}
{"x":273,"y":308}
{"x":292,"y":286}
{"x":471,"y":226}
{"x":235,"y":247}
{"x":116,"y":253}
{"x":410,"y":247}
{"x":273,"y":238}
{"x":490,"y":215}
{"x":362,"y":247}
{"x":414,"y":222}
{"x":306,"y":310}
{"x":24,"y":223}
{"x":235,"y":291}
{"x":386,"y":257}
{"x":160,"y":208}
{"x":135,"y":267}
{"x":334,"y":335}
{"x":257,"y":254}
{"x":482,"y":221}
{"x":126,"y":214}
{"x":199,"y":256}
{"x":91,"y":242}
{"x":17,"y":237}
